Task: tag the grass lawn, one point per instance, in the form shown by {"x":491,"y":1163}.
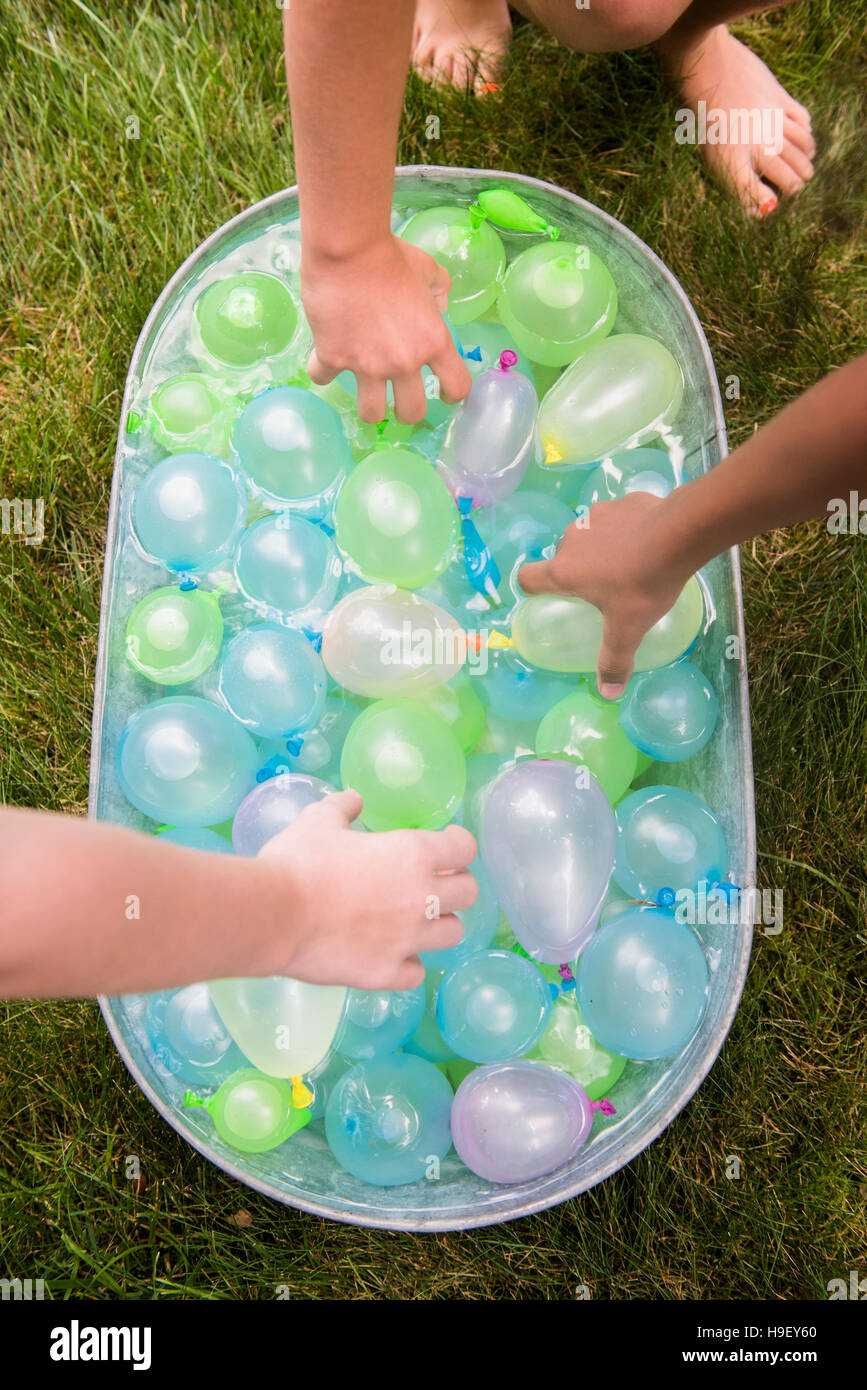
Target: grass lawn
{"x":93,"y":224}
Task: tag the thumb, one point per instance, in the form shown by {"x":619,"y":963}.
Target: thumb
{"x":616,"y":659}
{"x":337,"y":810}
{"x":317,"y":373}
{"x":538,"y":578}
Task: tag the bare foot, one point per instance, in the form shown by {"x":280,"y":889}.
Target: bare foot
{"x":461,"y":43}
{"x":726,"y":76}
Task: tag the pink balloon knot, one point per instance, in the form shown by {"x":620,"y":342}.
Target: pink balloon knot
{"x":508,"y":359}
{"x":604,"y":1105}
{"x":565,"y":972}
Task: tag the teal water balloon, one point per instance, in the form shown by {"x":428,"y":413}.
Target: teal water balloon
{"x":427,"y":1041}
{"x":642,"y":984}
{"x":322,"y":1080}
{"x":272,"y":680}
{"x":387,"y":1118}
{"x":188,"y":511}
{"x":185,"y":762}
{"x":245,"y":318}
{"x":377,"y":1022}
{"x":188,"y":1036}
{"x":565,"y":484}
{"x":493,"y":1006}
{"x":667,"y":838}
{"x":521,"y":528}
{"x":292,"y":449}
{"x":480,"y":924}
{"x":483,"y":341}
{"x":557,"y":300}
{"x":619,"y":390}
{"x":513,"y":689}
{"x":468,"y":249}
{"x":289,"y":569}
{"x":670,"y":713}
{"x":635,"y":470}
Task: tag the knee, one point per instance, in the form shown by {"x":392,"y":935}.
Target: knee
{"x":623,"y":24}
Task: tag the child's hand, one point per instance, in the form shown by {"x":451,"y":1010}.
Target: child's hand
{"x":376,"y":312}
{"x":366,"y":904}
{"x":614,"y":562}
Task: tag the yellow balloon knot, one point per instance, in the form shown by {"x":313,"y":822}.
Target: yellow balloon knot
{"x":498,"y":640}
{"x":301,"y":1095}
{"x":552,"y":454}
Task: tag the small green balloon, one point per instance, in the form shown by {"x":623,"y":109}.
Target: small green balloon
{"x":406,"y":764}
{"x":508,"y":210}
{"x":561,"y":633}
{"x":567,"y":1043}
{"x":469,"y":250}
{"x":253,"y":1112}
{"x":243,"y":318}
{"x":585,"y":729}
{"x":185,"y":411}
{"x":557,"y":300}
{"x":173,"y":635}
{"x":458,"y":704}
{"x":396,"y":519}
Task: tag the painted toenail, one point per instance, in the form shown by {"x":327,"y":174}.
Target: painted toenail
{"x":489,"y":87}
{"x":767,"y":206}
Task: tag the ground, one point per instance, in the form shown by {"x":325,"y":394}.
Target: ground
{"x":129,"y":133}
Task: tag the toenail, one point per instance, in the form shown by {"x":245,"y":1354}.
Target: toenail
{"x":767,"y":206}
{"x":489,"y":87}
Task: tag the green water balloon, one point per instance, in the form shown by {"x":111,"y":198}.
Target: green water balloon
{"x":174,"y":635}
{"x":560,"y":633}
{"x":583,"y":728}
{"x":396,"y":519}
{"x":407,"y":765}
{"x":243,"y":318}
{"x":557,"y":300}
{"x":513,"y":213}
{"x":468,"y":249}
{"x":252,"y":1112}
{"x":618,"y":391}
{"x":189,"y":412}
{"x":457,"y":703}
{"x":567,"y":1043}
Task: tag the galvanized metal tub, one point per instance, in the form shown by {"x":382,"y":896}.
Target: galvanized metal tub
{"x":302,"y":1173}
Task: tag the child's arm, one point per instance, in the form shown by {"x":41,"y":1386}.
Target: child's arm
{"x":90,"y":908}
{"x":636,"y":554}
{"x":372,"y":300}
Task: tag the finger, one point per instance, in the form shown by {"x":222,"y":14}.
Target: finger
{"x":538,"y":578}
{"x":337,"y":810}
{"x":452,"y":848}
{"x":453,"y":374}
{"x":410,"y":974}
{"x":410,"y":401}
{"x":616,"y":658}
{"x":456,"y":892}
{"x":371,"y":398}
{"x":441,"y":934}
{"x":319,"y":374}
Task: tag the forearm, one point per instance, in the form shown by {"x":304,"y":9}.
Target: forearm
{"x":89,"y":908}
{"x":346,"y":66}
{"x":813,"y":451}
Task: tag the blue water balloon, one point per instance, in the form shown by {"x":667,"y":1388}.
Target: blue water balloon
{"x":513,"y":689}
{"x":272,"y":680}
{"x":188,"y":511}
{"x":292,"y":448}
{"x":388,"y":1118}
{"x":427,"y":1041}
{"x":521,"y":528}
{"x":667,"y":838}
{"x":186,"y":762}
{"x":642,"y":984}
{"x":671,"y":712}
{"x":493,"y":1006}
{"x":189,"y":1037}
{"x":634,"y":470}
{"x":289,"y":569}
{"x":316,"y":750}
{"x":322,"y":1080}
{"x":480,"y":924}
{"x":376,"y":1022}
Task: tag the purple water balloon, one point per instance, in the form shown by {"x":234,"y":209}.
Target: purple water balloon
{"x":547,"y":841}
{"x":516,"y":1121}
{"x":489,"y":441}
{"x":272,"y":806}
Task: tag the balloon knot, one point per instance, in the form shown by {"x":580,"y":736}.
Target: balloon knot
{"x":565,"y":971}
{"x":473,"y":354}
{"x":508,"y":359}
{"x":186,"y":582}
{"x":191,"y":1099}
{"x":604,"y":1105}
{"x":313,"y":637}
{"x":666,"y":899}
{"x":302,"y":1096}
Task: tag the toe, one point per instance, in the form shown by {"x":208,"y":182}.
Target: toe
{"x":796,"y":111}
{"x":799,"y":135}
{"x":781,"y":173}
{"x":758,"y":198}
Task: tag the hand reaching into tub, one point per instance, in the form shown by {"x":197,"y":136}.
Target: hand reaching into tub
{"x":373,"y":301}
{"x":121,"y":912}
{"x":634,"y":555}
